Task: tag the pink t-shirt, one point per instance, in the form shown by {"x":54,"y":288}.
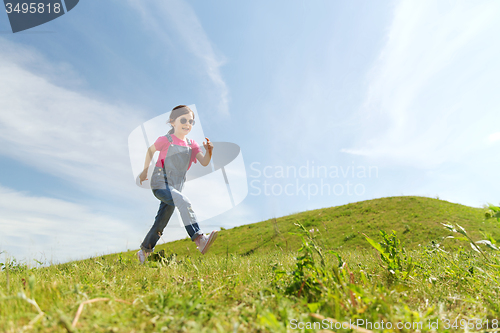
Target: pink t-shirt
{"x":162,"y":145}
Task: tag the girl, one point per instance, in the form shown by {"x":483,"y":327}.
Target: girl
{"x":177,"y":153}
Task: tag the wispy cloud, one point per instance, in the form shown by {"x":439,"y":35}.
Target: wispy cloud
{"x":430,"y":96}
{"x":52,"y":229}
{"x":162,"y":17}
{"x":60,"y":131}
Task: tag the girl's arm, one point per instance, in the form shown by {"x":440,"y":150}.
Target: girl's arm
{"x":149,"y":156}
{"x":205,"y":159}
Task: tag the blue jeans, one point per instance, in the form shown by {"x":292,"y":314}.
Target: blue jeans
{"x":171,"y":198}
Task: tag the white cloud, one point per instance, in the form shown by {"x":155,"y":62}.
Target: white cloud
{"x":57,"y":230}
{"x":60,"y":131}
{"x":431,"y":95}
{"x":159,"y":16}
{"x":494,"y":137}
{"x":54,"y":230}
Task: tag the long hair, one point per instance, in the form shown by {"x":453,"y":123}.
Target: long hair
{"x":178,"y":111}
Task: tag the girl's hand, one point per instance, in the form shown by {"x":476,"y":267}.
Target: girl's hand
{"x":209,"y":146}
{"x":143,"y":176}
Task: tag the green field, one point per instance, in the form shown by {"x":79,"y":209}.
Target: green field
{"x":309,"y":272}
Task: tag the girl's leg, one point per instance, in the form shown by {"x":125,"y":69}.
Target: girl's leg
{"x":172,"y":195}
{"x":162,"y":217}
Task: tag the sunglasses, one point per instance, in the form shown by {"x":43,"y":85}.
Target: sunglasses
{"x":184,"y":120}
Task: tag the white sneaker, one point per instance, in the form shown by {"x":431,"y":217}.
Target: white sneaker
{"x":142,"y":256}
{"x":204,"y":242}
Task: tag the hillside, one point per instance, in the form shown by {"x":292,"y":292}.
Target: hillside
{"x":416,"y":220}
{"x":253,"y":281}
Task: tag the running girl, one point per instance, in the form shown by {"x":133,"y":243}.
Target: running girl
{"x":177,"y":153}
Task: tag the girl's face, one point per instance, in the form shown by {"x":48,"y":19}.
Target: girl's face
{"x":185,"y":128}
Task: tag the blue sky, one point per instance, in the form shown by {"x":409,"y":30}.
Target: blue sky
{"x":404,"y":89}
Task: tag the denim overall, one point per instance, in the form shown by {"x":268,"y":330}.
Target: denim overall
{"x":167,"y":184}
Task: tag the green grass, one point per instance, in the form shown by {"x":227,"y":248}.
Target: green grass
{"x":254,"y":280}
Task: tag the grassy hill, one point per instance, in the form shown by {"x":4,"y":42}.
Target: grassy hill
{"x":254,"y":281}
{"x":416,"y":220}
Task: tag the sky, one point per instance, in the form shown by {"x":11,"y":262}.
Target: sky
{"x":329,"y":102}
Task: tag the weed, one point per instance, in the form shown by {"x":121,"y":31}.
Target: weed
{"x":493,"y":212}
{"x":458,"y":229}
{"x":395,"y":259}
{"x":307,"y":279}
